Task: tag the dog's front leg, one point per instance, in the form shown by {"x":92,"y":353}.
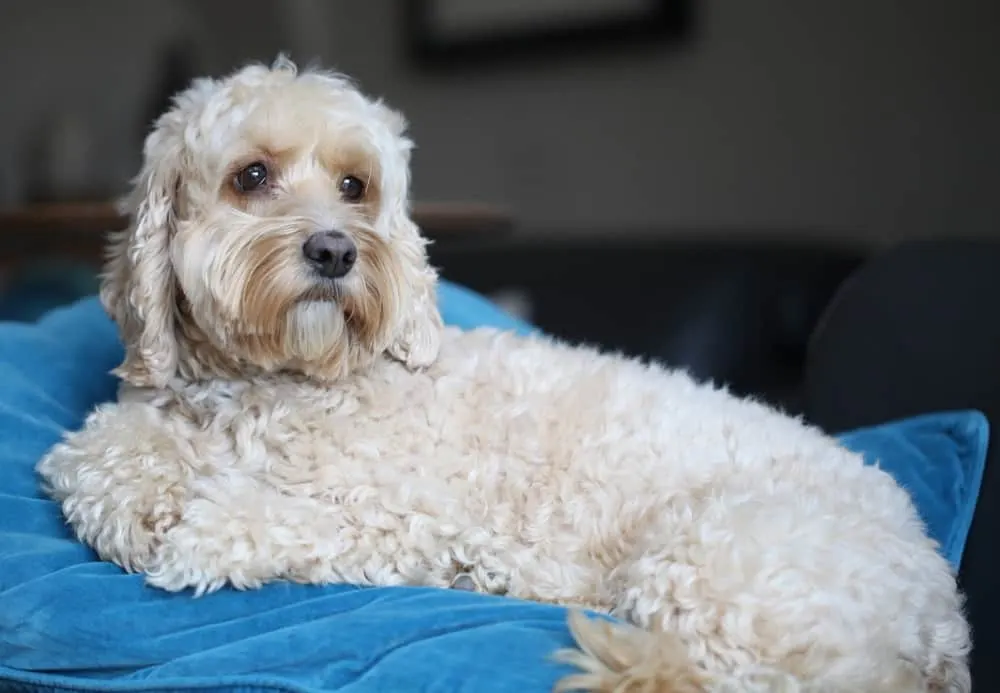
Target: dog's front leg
{"x":123,"y":516}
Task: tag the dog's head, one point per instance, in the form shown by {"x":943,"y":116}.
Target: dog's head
{"x":269,"y":231}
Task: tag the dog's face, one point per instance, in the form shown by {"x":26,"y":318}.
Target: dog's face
{"x":270,"y":231}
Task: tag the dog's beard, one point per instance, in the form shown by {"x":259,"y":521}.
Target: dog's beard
{"x":313,"y":330}
{"x":252,"y":293}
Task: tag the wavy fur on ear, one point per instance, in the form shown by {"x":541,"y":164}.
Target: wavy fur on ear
{"x":418,"y":334}
{"x":137,"y":287}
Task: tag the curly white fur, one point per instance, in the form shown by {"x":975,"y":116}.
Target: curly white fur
{"x":272,"y":425}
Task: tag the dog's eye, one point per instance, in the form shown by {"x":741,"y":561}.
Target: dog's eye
{"x":352,"y":189}
{"x":252,"y":177}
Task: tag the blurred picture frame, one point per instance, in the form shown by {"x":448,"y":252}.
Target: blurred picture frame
{"x":460,"y":33}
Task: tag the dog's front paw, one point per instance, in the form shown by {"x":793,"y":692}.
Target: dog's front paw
{"x":179,"y":565}
{"x":122,"y":529}
{"x":195,"y":554}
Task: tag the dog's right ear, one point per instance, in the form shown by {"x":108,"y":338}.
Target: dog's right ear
{"x":137,"y":287}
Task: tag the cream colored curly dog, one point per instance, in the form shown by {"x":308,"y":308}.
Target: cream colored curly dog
{"x":292,"y":408}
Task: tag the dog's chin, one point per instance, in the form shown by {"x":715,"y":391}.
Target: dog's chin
{"x":316,"y":326}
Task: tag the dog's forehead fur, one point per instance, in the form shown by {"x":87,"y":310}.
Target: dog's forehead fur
{"x":283,"y":113}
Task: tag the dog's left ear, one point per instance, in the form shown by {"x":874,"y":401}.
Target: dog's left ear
{"x":417,"y":337}
{"x":137,"y":286}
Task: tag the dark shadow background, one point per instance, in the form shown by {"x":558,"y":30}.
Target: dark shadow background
{"x":873,"y":119}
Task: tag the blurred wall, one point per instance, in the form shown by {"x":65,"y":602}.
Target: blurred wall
{"x":878,"y":118}
{"x":89,"y":71}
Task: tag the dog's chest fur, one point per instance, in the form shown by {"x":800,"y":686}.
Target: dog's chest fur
{"x":499,"y":421}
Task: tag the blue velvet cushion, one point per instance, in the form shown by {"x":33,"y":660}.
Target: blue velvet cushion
{"x":71,"y":623}
{"x":939,"y":458}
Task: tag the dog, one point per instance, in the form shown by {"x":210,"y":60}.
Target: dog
{"x":292,"y":408}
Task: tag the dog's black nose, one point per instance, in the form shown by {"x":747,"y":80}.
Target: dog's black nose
{"x":331,"y":253}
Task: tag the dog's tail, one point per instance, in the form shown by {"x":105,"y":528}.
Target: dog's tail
{"x":620,"y":658}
